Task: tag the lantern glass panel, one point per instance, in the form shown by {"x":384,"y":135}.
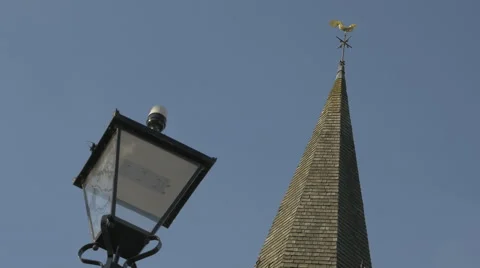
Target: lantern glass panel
{"x":150,"y":180}
{"x":98,"y":187}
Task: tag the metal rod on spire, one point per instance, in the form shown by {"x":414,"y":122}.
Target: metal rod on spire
{"x":343,"y":44}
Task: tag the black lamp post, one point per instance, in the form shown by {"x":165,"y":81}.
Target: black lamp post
{"x":135,"y":181}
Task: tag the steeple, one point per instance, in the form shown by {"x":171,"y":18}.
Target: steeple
{"x":321,"y":221}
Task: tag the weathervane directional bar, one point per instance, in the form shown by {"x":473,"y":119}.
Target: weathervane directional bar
{"x":344,"y":44}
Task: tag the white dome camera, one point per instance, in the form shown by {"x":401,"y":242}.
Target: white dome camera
{"x":157,"y":118}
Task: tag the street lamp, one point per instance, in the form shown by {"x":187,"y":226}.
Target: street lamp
{"x":135,"y":181}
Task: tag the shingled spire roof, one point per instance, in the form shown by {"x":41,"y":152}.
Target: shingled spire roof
{"x":321,"y":222}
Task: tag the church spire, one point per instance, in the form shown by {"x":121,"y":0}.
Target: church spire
{"x":321,"y":221}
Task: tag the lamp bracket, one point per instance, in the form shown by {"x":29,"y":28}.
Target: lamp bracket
{"x":113,"y":256}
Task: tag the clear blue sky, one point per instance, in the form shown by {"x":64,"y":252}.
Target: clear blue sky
{"x":243,"y":81}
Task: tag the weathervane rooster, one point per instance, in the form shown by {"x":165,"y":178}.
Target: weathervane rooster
{"x":338,"y":24}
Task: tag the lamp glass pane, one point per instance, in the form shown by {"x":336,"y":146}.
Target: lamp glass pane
{"x":149,"y":181}
{"x":98,"y":187}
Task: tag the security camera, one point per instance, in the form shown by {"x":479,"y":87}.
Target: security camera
{"x":157,"y":118}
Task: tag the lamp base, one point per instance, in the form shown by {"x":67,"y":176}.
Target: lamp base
{"x":112,"y":265}
{"x":124,"y":238}
{"x":121,"y":240}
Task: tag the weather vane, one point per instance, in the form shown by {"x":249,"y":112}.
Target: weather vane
{"x":343,"y":42}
